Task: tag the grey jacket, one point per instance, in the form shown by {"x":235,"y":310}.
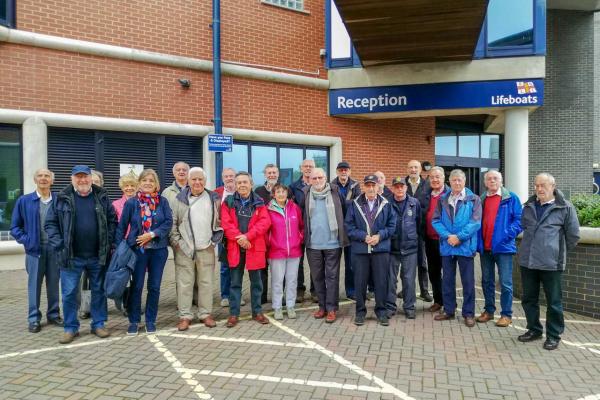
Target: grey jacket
{"x":171,"y":193}
{"x":182,"y":235}
{"x":545,"y":242}
{"x":339,"y":215}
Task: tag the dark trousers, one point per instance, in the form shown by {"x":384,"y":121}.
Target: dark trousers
{"x":422,"y":267}
{"x":225,"y":277}
{"x":551,"y":280}
{"x":153,"y":261}
{"x":348,"y":274}
{"x":390,"y":301}
{"x":325,"y":272}
{"x":408,"y":273}
{"x":466,"y":266}
{"x":264,"y":278}
{"x":39,"y":268}
{"x":365,"y":266}
{"x":434,"y":268}
{"x":235,"y":292}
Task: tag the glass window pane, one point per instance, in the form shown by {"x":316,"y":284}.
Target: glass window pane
{"x":510,"y":23}
{"x":490,"y":146}
{"x":445,"y":146}
{"x":261,"y":156}
{"x":289,"y":164}
{"x":340,"y":40}
{"x":3,"y":9}
{"x":236,"y":159}
{"x":468,"y":146}
{"x":10,"y":174}
{"x":320,"y":157}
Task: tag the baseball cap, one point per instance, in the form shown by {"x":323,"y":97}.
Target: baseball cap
{"x":399,"y":180}
{"x":370,"y":179}
{"x":343,"y":164}
{"x":81,"y":169}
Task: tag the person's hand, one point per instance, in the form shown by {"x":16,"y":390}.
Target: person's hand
{"x":367,"y":239}
{"x":243,"y":242}
{"x":143,"y":239}
{"x":375,"y":240}
{"x":453,"y":240}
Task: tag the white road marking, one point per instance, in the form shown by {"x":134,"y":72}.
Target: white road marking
{"x":62,"y":347}
{"x":590,"y":397}
{"x":235,"y":340}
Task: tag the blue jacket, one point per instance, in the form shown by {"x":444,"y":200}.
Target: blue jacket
{"x":25,"y":226}
{"x":408,"y":224}
{"x":507,"y":225}
{"x":119,"y":271}
{"x":297,"y":189}
{"x":161,"y":224}
{"x":357,"y":227}
{"x":465,"y":224}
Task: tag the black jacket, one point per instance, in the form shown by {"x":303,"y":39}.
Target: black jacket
{"x":422,"y":190}
{"x":408,"y":225}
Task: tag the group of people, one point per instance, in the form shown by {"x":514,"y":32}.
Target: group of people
{"x":419,"y":229}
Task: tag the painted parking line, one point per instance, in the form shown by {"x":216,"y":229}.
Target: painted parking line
{"x":590,"y":397}
{"x":62,"y":347}
{"x":235,"y":340}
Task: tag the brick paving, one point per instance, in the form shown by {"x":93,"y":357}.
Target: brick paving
{"x":299,"y":359}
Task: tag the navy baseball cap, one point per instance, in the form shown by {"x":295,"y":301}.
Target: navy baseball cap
{"x":370,"y":179}
{"x":81,"y":169}
{"x":399,"y":180}
{"x":343,"y":164}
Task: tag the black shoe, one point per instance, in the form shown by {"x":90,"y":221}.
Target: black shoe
{"x":391,"y":313}
{"x":383,"y":321}
{"x":530,"y":336}
{"x":35,"y":327}
{"x":551,"y":344}
{"x":410,"y":314}
{"x":400,"y":294}
{"x":359,"y":320}
{"x":426,"y":297}
{"x":58,"y":321}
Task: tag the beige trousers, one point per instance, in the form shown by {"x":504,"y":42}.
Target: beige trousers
{"x":200,"y":268}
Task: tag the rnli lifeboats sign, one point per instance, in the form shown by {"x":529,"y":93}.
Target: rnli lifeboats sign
{"x":437,"y":96}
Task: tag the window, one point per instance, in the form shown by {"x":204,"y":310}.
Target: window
{"x":445,"y":145}
{"x":340,"y":51}
{"x":468,"y":146}
{"x":261,"y":156}
{"x":7,"y":13}
{"x":292,"y":4}
{"x":10,"y":175}
{"x":490,"y":146}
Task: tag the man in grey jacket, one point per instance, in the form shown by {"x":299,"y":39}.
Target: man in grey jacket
{"x":550,"y":229}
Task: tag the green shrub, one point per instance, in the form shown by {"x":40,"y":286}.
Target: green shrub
{"x":588,"y":209}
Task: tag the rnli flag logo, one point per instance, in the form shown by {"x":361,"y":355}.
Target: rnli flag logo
{"x":526,"y":87}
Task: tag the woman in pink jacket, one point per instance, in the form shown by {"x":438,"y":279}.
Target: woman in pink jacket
{"x":128,"y":184}
{"x":285,"y":240}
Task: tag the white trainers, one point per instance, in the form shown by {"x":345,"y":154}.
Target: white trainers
{"x":278,"y":315}
{"x":225,"y":302}
{"x":291,"y":313}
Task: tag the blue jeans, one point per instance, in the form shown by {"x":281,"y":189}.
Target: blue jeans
{"x":348,"y":274}
{"x":235,"y":294}
{"x":467,"y":278}
{"x":488,"y":282}
{"x":69,"y":281}
{"x":39,"y":268}
{"x":154,"y":261}
{"x":225,"y":276}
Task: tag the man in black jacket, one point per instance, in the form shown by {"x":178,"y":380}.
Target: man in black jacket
{"x":81,"y":228}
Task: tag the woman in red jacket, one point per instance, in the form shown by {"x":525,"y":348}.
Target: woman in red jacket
{"x":285,"y":241}
{"x":246,"y":221}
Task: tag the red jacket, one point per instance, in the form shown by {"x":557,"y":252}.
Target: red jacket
{"x":257,"y":230}
{"x":287,"y":231}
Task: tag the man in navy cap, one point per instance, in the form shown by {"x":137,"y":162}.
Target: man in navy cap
{"x":81,"y":227}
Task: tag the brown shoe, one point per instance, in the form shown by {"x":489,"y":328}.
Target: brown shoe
{"x":319,"y":314}
{"x":209,"y":322}
{"x":443,"y":317}
{"x":101,"y":332}
{"x":504,"y":321}
{"x":485,"y":317}
{"x":435,"y":307}
{"x":68,"y":337}
{"x":232,"y":321}
{"x":470,"y":322}
{"x":261,"y":319}
{"x":331,"y":317}
{"x":183,"y":324}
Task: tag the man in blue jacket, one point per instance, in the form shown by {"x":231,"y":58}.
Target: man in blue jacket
{"x":500,"y":225}
{"x":27,"y":227}
{"x":457,"y":220}
{"x":370,"y":224}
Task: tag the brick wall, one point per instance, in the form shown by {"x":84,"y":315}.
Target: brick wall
{"x":563,"y":127}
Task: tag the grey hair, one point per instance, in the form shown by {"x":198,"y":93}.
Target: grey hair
{"x":438,"y":169}
{"x":270,"y":166}
{"x":100,"y":176}
{"x":308,"y":159}
{"x":227,"y":169}
{"x":493,"y":171}
{"x":244,"y":173}
{"x":548,"y":176}
{"x":319,"y":170}
{"x":458,"y":172}
{"x":196,"y":169}
{"x":180,"y":162}
{"x":37,"y":171}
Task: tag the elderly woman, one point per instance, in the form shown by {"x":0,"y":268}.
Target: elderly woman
{"x":285,"y":248}
{"x":128,"y":184}
{"x":148,"y":217}
{"x":97,"y":178}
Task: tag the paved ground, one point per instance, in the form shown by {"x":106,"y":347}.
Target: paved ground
{"x":297,"y":359}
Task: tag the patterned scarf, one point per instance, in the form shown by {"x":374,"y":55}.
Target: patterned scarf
{"x":148,"y":204}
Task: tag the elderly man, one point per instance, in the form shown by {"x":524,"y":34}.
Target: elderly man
{"x":500,"y":225}
{"x":370,"y":223}
{"x":350,"y":190}
{"x":246,"y":221}
{"x":81,"y":228}
{"x":195,"y":233}
{"x":324,"y":237}
{"x":550,"y":229}
{"x":297,"y":189}
{"x":457,"y":220}
{"x":418,"y":188}
{"x":27,"y":227}
{"x":180,"y":173}
{"x":404,"y":248}
{"x":383,"y":190}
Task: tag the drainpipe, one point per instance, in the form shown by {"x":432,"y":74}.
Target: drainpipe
{"x":216,"y":27}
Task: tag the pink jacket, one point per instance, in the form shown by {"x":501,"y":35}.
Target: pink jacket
{"x":118,"y":205}
{"x":287,"y":231}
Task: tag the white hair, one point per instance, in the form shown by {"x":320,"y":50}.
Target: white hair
{"x":494,"y":172}
{"x":458,"y":172}
{"x":194,"y":170}
{"x":438,"y":169}
{"x":548,"y":176}
{"x":182,"y":163}
{"x":321,"y":170}
{"x":37,"y":171}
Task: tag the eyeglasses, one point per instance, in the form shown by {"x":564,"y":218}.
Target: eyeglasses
{"x":314,"y":178}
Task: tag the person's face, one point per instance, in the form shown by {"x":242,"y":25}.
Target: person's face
{"x":343,"y":174}
{"x":380,"y":178}
{"x":371,"y":190}
{"x":197,"y":183}
{"x":318,"y":180}
{"x":148,"y":184}
{"x":243,"y":185}
{"x":281,"y":195}
{"x":96,"y":180}
{"x":272,"y":174}
{"x":228,"y":177}
{"x":43,"y":179}
{"x":457,"y":183}
{"x":129,"y":189}
{"x":436,"y":180}
{"x":180,"y":173}
{"x":414,"y":169}
{"x":492,"y":182}
{"x":307,"y":167}
{"x":82,"y":182}
{"x":399,"y":190}
{"x":544,"y":190}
